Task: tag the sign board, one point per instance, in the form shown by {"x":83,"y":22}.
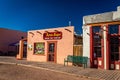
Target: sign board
{"x":52,"y":35}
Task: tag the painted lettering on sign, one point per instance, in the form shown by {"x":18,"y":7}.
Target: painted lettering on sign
{"x":52,"y":35}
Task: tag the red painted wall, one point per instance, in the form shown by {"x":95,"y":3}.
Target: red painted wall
{"x":7,"y":37}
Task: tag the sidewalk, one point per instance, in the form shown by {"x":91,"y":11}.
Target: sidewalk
{"x":92,"y":74}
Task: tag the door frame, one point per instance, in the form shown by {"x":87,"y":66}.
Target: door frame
{"x":114,"y":63}
{"x":55,"y":53}
{"x":92,"y":58}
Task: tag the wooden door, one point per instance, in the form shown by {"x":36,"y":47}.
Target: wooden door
{"x":51,"y":51}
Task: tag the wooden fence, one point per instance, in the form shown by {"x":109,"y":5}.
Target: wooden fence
{"x":78,"y":50}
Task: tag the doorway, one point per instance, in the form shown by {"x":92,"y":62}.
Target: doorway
{"x":97,"y":47}
{"x":114,"y":46}
{"x":51,"y":56}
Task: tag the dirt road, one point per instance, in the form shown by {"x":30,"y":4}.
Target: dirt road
{"x":17,"y":72}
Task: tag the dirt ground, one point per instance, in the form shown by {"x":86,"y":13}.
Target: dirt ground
{"x":17,"y":72}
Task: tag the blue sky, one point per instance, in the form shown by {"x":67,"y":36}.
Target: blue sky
{"x":27,"y":15}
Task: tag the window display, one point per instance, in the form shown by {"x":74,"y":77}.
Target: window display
{"x":39,"y":48}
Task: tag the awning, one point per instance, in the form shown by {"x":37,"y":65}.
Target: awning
{"x":17,"y":43}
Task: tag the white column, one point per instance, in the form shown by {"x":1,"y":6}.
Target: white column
{"x":105,"y":53}
{"x":86,"y":42}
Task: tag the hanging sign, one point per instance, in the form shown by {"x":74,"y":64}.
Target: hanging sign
{"x":52,"y":35}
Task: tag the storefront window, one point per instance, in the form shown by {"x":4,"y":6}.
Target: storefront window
{"x":39,"y":48}
{"x":97,"y":41}
{"x":114,"y":42}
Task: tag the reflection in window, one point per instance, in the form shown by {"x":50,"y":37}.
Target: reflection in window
{"x":39,"y":48}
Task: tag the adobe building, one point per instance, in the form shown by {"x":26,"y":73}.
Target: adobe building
{"x":101,"y":39}
{"x":49,"y":45}
{"x":7,"y":40}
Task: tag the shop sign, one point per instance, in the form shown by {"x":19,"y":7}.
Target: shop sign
{"x":52,"y":35}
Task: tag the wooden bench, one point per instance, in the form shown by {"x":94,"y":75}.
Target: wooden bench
{"x":76,"y":59}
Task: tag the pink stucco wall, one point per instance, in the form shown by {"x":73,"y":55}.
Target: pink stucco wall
{"x":7,"y":37}
{"x":64,"y":45}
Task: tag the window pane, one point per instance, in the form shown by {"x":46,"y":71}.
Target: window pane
{"x":96,"y":29}
{"x":116,"y":56}
{"x":112,"y":57}
{"x":98,"y":51}
{"x":51,"y":47}
{"x":113,"y":29}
